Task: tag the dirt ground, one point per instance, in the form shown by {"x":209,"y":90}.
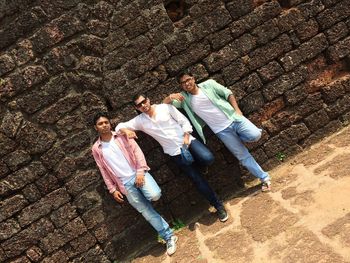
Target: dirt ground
{"x":305,"y":218}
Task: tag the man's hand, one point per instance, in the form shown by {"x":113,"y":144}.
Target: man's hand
{"x":140,"y":179}
{"x":186,"y":138}
{"x":176,"y":96}
{"x":128,"y":133}
{"x":118,"y":196}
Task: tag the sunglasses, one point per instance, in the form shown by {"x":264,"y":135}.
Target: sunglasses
{"x":186,"y":81}
{"x":139,"y":105}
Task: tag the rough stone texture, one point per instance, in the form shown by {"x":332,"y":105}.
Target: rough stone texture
{"x":285,"y":61}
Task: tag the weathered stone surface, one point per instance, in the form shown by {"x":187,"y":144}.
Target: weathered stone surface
{"x":76,"y":142}
{"x":60,"y":237}
{"x":289,"y":20}
{"x":238,"y":8}
{"x":311,"y":8}
{"x":31,"y":193}
{"x":27,"y":238}
{"x":339,"y":50}
{"x":86,"y":200}
{"x":270,"y":71}
{"x":252,"y":102}
{"x":22,"y":177}
{"x":47,"y":184}
{"x":6,"y":64}
{"x":307,"y":30}
{"x":339,"y":107}
{"x":95,"y":254}
{"x":59,"y":256}
{"x":317,"y":120}
{"x":306,"y":51}
{"x":93,"y":217}
{"x":332,"y":91}
{"x":259,"y":15}
{"x":8,"y":229}
{"x":194,"y":54}
{"x":59,"y":109}
{"x":220,"y":39}
{"x":44,"y":206}
{"x":266,"y":32}
{"x":81,"y":244}
{"x":337,"y":32}
{"x":10,"y":123}
{"x":270,"y":51}
{"x":82,"y":180}
{"x":334,"y":14}
{"x":12,"y":205}
{"x":295,"y":95}
{"x":146,"y":62}
{"x":55,"y":31}
{"x":46,"y":95}
{"x":235,"y":71}
{"x":285,"y":139}
{"x":6,"y":145}
{"x":34,"y":254}
{"x":17,"y":159}
{"x":284,"y":83}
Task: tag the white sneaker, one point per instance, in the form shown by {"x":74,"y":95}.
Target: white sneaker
{"x":171,"y":245}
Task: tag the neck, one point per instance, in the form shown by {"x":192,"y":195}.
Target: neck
{"x":106,"y":137}
{"x":195,"y":91}
{"x":151,"y":111}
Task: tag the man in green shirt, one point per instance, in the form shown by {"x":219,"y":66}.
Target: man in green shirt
{"x":210,"y":103}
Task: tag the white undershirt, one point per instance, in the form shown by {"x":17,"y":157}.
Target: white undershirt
{"x":209,"y":113}
{"x":167,"y":127}
{"x":117,"y":161}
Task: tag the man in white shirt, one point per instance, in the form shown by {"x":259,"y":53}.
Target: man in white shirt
{"x":172,"y":130}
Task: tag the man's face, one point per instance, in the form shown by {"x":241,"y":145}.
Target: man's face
{"x":187,"y":83}
{"x":142,"y":104}
{"x":103,"y":126}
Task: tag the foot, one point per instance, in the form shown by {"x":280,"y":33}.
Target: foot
{"x":171,"y":245}
{"x":266,"y":186}
{"x":222,"y":214}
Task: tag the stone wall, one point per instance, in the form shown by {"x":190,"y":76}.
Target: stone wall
{"x":286,"y":61}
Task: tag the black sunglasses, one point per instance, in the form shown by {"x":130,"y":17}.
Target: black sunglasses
{"x":138,"y":105}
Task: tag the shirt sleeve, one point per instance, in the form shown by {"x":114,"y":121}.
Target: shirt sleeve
{"x":180,"y":118}
{"x":133,"y":124}
{"x":109,"y":183}
{"x":141,"y":164}
{"x":221,"y":90}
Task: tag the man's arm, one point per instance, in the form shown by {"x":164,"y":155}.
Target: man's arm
{"x":128,"y":128}
{"x":141,"y":164}
{"x":174,"y":99}
{"x":227,"y":94}
{"x":182,"y":121}
{"x":109,"y":183}
{"x":234,"y":104}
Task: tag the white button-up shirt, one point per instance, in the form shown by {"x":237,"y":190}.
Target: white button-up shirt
{"x":167,"y":126}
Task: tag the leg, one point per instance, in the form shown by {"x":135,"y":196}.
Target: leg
{"x":234,"y":144}
{"x":150,"y":189}
{"x":143,"y":206}
{"x":200,"y":183}
{"x":247,"y":131}
{"x":201,"y":153}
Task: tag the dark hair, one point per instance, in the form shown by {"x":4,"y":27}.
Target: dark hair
{"x":183,"y":73}
{"x":135,"y":97}
{"x":99,"y":115}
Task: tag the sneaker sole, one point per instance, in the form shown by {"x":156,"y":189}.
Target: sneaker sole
{"x":224,"y":219}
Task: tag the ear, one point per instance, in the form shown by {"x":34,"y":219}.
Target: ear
{"x":95,"y":127}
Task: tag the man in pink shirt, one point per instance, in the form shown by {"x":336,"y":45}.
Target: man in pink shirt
{"x":125,"y":172}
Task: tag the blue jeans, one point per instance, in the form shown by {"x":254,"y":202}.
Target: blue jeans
{"x":140,"y":199}
{"x":233,"y":136}
{"x":202,"y":157}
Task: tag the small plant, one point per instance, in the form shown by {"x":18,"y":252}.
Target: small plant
{"x":280,"y":156}
{"x":177,"y":224}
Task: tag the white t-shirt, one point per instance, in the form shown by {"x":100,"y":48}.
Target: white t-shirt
{"x":209,"y":113}
{"x":117,"y":161}
{"x":167,"y":126}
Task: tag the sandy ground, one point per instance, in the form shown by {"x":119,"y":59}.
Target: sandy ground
{"x":305,"y":218}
